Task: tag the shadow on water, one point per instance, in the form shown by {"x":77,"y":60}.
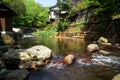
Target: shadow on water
{"x":63,"y":74}
{"x":42,"y":75}
{"x":102,"y":69}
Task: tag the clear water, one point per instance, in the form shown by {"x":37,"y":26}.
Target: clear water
{"x":100,"y":67}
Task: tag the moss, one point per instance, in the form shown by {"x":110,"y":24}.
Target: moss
{"x":7,"y":39}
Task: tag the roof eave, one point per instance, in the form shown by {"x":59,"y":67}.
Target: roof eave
{"x":10,"y":10}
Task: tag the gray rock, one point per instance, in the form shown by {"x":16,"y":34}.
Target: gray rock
{"x":39,"y":52}
{"x":92,"y":47}
{"x":17,"y":75}
{"x":8,"y":39}
{"x":16,"y":54}
{"x":1,"y":64}
{"x":3,"y":73}
{"x":23,"y":58}
{"x":102,"y":40}
{"x":3,"y":49}
{"x":29,"y":64}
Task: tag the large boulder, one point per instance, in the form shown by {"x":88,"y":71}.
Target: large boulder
{"x":39,"y":52}
{"x":13,"y":58}
{"x":117,"y":77}
{"x":92,"y":47}
{"x":36,"y":55}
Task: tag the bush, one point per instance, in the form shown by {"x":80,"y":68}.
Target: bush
{"x":62,"y":24}
{"x":45,"y":32}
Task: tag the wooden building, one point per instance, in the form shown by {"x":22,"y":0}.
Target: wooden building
{"x":6,"y":15}
{"x":55,"y":13}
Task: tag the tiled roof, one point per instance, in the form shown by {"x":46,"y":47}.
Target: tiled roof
{"x":5,"y":8}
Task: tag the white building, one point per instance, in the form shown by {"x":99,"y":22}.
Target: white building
{"x":54,"y":13}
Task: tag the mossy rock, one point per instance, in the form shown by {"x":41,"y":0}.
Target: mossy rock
{"x":7,"y":39}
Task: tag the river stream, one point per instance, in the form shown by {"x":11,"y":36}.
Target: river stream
{"x":98,"y":67}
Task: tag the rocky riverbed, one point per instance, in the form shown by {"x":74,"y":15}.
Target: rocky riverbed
{"x":98,"y":65}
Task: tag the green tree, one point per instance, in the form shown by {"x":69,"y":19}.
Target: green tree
{"x":30,"y":13}
{"x":36,"y":15}
{"x":19,"y":7}
{"x":64,"y":5}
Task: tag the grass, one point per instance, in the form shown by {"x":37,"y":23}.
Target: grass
{"x":45,"y":33}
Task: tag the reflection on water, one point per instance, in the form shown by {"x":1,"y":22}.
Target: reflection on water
{"x":59,"y":46}
{"x":99,"y":68}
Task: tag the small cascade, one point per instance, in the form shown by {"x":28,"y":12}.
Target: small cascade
{"x":97,"y":59}
{"x":56,"y":63}
{"x":100,"y":59}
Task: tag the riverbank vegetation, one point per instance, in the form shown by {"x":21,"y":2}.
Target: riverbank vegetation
{"x":99,"y":16}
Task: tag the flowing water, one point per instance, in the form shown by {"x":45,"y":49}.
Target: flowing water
{"x":99,"y":67}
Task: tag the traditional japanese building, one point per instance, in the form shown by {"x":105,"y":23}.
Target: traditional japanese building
{"x":54,"y":13}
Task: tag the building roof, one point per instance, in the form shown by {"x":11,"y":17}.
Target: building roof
{"x":54,"y":6}
{"x":5,"y":8}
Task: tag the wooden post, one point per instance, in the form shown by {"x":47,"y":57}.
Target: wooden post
{"x":3,"y":26}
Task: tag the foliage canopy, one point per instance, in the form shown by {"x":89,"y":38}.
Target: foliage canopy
{"x":30,"y":13}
